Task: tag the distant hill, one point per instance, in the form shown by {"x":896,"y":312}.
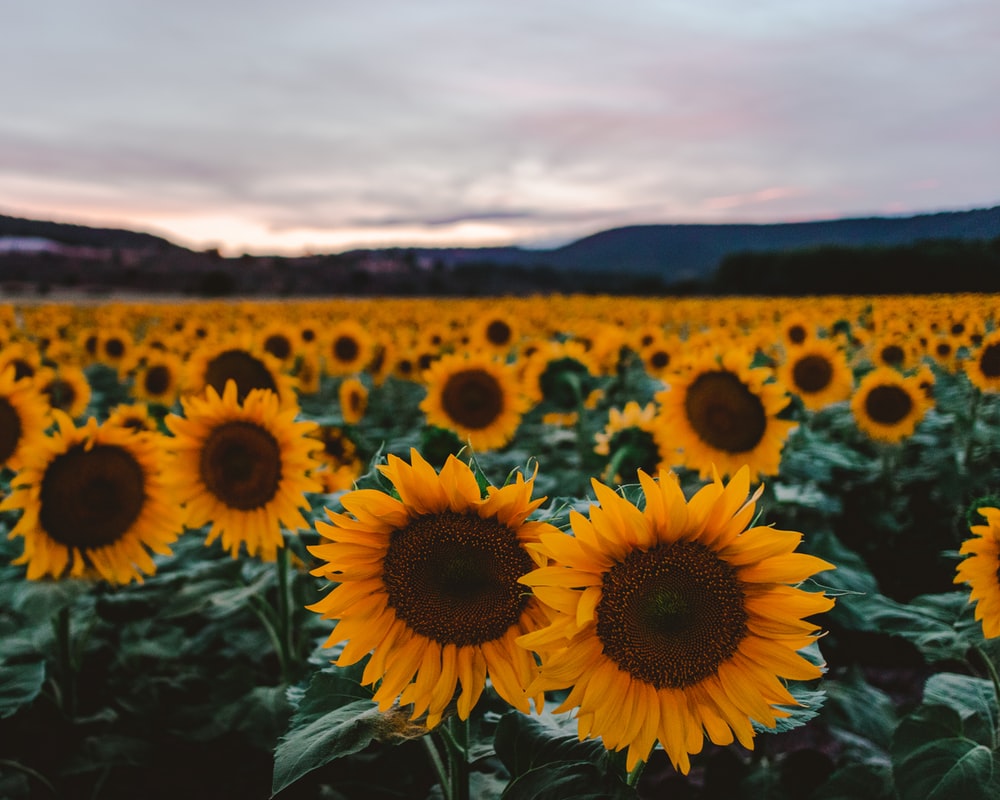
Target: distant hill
{"x":683,"y":252}
{"x":65,"y":233}
{"x":637,"y":257}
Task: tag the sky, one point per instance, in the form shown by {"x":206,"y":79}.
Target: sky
{"x":318,"y":126}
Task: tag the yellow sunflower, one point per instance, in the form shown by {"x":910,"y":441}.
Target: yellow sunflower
{"x":632,"y":441}
{"x":243,"y":467}
{"x":159,"y":378}
{"x":721,"y":413}
{"x":674,"y":620}
{"x":66,"y":388}
{"x":134,"y":417}
{"x":818,"y":372}
{"x":983,"y":368}
{"x":428,"y":584}
{"x":981,"y":570}
{"x":887,"y":405}
{"x":353,"y":396}
{"x":348,"y":348}
{"x":477,"y":397}
{"x":24,"y":418}
{"x":94,"y":504}
{"x":239,"y":359}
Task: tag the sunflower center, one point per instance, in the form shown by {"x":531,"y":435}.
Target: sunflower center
{"x":812,"y":373}
{"x":670,"y":616}
{"x":563,"y":382}
{"x":989,"y":361}
{"x":10,"y":429}
{"x":796,"y":334}
{"x":473,"y":398}
{"x":346,"y":349}
{"x":114,"y":348}
{"x":240,"y":366}
{"x":888,"y":405}
{"x":90,"y":498}
{"x":453,"y":577}
{"x":660,"y":359}
{"x":893,"y":355}
{"x":498,"y":332}
{"x":157,"y":379}
{"x":241,"y":465}
{"x":278,"y":346}
{"x":61,"y":394}
{"x":635,"y":449}
{"x":724,"y":412}
{"x":22,"y":369}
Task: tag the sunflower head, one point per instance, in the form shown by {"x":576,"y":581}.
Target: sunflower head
{"x":94,"y":505}
{"x":676,"y":620}
{"x":981,"y":569}
{"x":428,"y":585}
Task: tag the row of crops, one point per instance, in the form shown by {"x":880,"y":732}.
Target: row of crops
{"x":557,"y":546}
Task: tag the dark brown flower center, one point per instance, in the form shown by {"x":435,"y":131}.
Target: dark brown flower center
{"x":454,"y":577}
{"x":812,"y":373}
{"x":157,"y":380}
{"x":724,"y":413}
{"x":660,"y":359}
{"x":90,"y":498}
{"x":278,"y":345}
{"x":670,"y":616}
{"x":893,"y":355}
{"x":114,"y":348}
{"x":888,"y":405}
{"x":247,"y":370}
{"x":498,"y":333}
{"x":61,"y":394}
{"x":241,"y":465}
{"x":346,"y":349}
{"x":989,"y":361}
{"x":473,"y":398}
{"x":797,"y":334}
{"x":10,"y":429}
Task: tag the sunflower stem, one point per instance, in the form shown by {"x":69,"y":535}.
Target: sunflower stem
{"x":991,"y":668}
{"x":439,"y":768}
{"x":286,"y":633}
{"x":68,"y":663}
{"x":455,"y":735}
{"x":632,"y":779}
{"x":266,"y":615}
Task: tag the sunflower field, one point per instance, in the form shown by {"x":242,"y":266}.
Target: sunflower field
{"x":545,"y":547}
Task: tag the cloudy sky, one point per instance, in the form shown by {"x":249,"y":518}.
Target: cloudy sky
{"x":321,"y":125}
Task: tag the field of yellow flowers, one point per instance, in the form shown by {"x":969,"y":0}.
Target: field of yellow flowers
{"x":547,"y":547}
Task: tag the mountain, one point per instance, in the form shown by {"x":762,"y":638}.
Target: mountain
{"x":81,"y":235}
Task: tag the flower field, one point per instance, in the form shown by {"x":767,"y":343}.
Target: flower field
{"x":548,"y":547}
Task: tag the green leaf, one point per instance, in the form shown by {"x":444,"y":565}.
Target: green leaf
{"x":524,"y":743}
{"x":810,"y":702}
{"x":941,"y":626}
{"x":946,"y":769}
{"x":973,"y":698}
{"x":924,"y":725}
{"x":567,"y":780}
{"x":866,"y":781}
{"x":333,"y":735}
{"x":20,"y":684}
{"x":859,"y":709}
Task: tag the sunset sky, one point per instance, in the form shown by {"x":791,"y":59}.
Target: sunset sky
{"x":322,"y":125}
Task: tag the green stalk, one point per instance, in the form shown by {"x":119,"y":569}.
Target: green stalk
{"x":455,"y":735}
{"x":439,"y":768}
{"x":286,"y":631}
{"x":991,"y":668}
{"x":632,"y":779}
{"x":68,"y":664}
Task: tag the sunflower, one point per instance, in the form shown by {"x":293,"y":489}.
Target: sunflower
{"x":888,"y":405}
{"x":159,"y":378}
{"x":674,"y":620}
{"x":981,"y":570}
{"x":353,"y":396}
{"x":983,"y":369}
{"x":632,"y":440}
{"x":721,"y":413}
{"x":24,"y":357}
{"x":477,"y":397}
{"x":94,"y":504}
{"x":428,"y":584}
{"x":281,"y":340}
{"x":24,"y":418}
{"x":348,"y":348}
{"x":496,"y":332}
{"x":134,"y":417}
{"x":215,"y":363}
{"x":243,"y":467}
{"x":66,"y":388}
{"x":818,"y":372}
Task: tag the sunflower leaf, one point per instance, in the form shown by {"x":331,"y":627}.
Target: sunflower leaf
{"x":810,"y":700}
{"x":20,"y":684}
{"x":581,"y":780}
{"x":525,"y":743}
{"x":948,"y":768}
